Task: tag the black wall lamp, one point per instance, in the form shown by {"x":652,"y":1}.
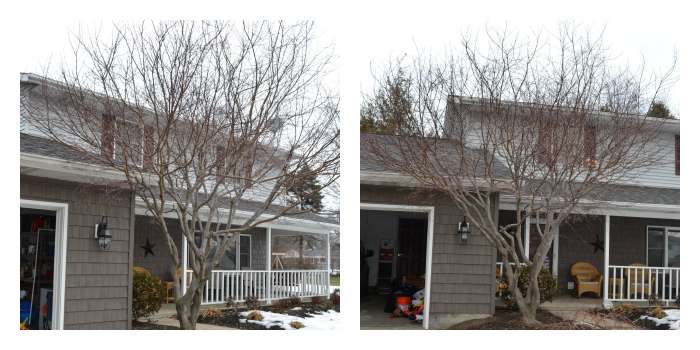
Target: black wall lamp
{"x":103,"y":235}
{"x":463,"y":230}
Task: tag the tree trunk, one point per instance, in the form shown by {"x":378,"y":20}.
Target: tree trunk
{"x":187,"y":306}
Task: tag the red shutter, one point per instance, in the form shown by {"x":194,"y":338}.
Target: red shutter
{"x":678,"y":154}
{"x":149,"y":146}
{"x":589,"y":141}
{"x":544,"y":140}
{"x":107,"y":139}
{"x":220,"y":162}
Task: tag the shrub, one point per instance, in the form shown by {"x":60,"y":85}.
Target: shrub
{"x":296,"y":324}
{"x":546,"y":282}
{"x":148,"y":294}
{"x":657,"y":312}
{"x":625,"y":312}
{"x":318,"y":300}
{"x":288,"y":303}
{"x":210,"y":313}
{"x":255,"y":316}
{"x":623,"y":308}
{"x":252,"y":303}
{"x":335,"y":297}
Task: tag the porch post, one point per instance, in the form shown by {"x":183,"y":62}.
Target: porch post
{"x":268,"y":265}
{"x":606,"y":303}
{"x":328,"y":262}
{"x":555,"y":252}
{"x":184,"y":265}
{"x":527,"y":236}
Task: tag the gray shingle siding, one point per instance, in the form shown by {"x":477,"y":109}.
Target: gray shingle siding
{"x":463,"y":274}
{"x":158,"y":263}
{"x":97,"y":282}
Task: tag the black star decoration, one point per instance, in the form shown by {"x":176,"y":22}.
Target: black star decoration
{"x":148,"y":248}
{"x":597,"y":244}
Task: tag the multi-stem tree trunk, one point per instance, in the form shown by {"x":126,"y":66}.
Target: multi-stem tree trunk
{"x":529,"y":303}
{"x":188,"y":304}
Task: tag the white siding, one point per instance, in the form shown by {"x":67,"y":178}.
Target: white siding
{"x":663,"y":174}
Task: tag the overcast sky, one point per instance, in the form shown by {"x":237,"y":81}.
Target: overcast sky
{"x":629,"y":40}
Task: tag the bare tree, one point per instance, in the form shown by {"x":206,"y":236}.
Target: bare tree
{"x":548,"y":126}
{"x":200,"y":118}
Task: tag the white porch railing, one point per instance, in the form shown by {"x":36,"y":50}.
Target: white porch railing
{"x":238,"y":285}
{"x":641,"y":283}
{"x":499,"y":267}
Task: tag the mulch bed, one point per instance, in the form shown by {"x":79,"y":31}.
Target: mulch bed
{"x":230,"y":317}
{"x":633,"y":316}
{"x":505,"y":318}
{"x":138,"y":325}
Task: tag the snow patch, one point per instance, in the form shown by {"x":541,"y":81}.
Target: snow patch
{"x":672,"y":319}
{"x":326,"y":320}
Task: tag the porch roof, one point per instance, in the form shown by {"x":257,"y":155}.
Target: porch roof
{"x":373,"y":169}
{"x":446,"y":150}
{"x":52,"y":150}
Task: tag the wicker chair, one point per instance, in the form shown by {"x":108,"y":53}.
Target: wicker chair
{"x":170,"y":287}
{"x":640,"y":281}
{"x":141,"y":270}
{"x":587,"y":278}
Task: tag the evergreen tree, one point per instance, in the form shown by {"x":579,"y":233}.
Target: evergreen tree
{"x":308,"y":192}
{"x":389,"y":109}
{"x":659,"y":110}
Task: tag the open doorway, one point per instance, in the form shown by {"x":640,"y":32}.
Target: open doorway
{"x":37,"y":252}
{"x":42,"y":264}
{"x":394,"y":246}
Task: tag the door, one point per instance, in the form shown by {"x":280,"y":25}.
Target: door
{"x":535,"y":242}
{"x":410,"y":260}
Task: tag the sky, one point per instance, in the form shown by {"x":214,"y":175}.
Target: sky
{"x":630,"y":40}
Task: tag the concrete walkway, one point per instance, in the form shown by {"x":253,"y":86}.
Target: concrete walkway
{"x":166,"y":321}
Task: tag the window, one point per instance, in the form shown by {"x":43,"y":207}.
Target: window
{"x":244,"y":251}
{"x":678,"y":154}
{"x":129,"y":143}
{"x":237,"y":255}
{"x":663,"y":246}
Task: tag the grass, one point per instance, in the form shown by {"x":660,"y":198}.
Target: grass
{"x":335,"y":280}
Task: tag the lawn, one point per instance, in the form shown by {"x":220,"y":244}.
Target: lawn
{"x":335,"y":280}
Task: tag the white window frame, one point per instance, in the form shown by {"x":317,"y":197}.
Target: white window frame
{"x":59,"y":260}
{"x":666,"y":229}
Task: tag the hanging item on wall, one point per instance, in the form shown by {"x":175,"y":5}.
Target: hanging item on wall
{"x":597,"y":244}
{"x":148,"y":248}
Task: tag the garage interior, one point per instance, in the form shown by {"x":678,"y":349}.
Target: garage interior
{"x":393,"y":265}
{"x":37,"y":247}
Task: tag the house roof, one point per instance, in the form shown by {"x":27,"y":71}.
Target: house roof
{"x":610,"y":193}
{"x":640,"y":194}
{"x":49,"y":148}
{"x":446,"y":150}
